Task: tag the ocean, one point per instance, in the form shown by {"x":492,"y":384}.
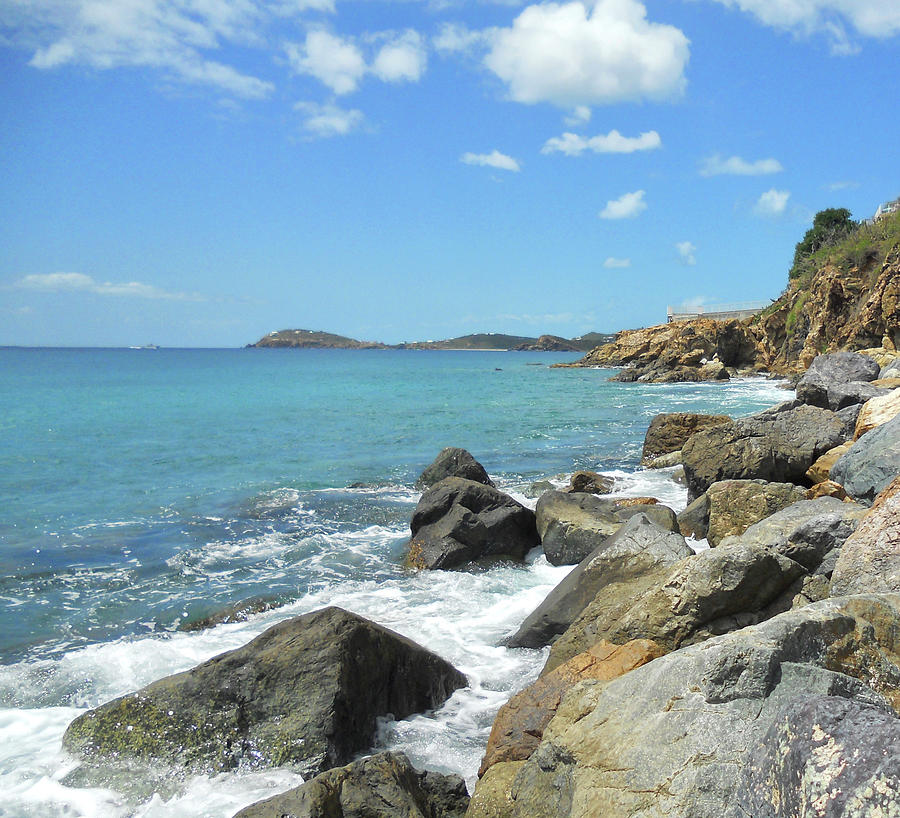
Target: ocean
{"x":145,"y":489}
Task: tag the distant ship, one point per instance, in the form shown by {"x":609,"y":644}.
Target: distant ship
{"x":146,"y":346}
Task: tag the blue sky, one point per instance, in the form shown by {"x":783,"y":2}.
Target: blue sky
{"x":201,"y":172}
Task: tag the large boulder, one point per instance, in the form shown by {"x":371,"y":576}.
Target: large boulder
{"x":453,"y":462}
{"x":713,"y":592}
{"x":870,"y":558}
{"x":867,"y":467}
{"x":693,"y":521}
{"x":876,"y":412}
{"x":681,"y":737}
{"x":628,"y":563}
{"x":734,"y":505}
{"x":820,"y":470}
{"x":777,"y":445}
{"x":520,"y":723}
{"x":385,"y":785}
{"x":306,"y":691}
{"x":572,"y":525}
{"x":591,"y":482}
{"x":459,"y":521}
{"x":833,"y":380}
{"x":669,"y":431}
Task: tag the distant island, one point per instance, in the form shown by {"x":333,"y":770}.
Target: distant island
{"x":313,"y":339}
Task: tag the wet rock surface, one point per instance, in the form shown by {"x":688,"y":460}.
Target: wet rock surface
{"x":453,"y":462}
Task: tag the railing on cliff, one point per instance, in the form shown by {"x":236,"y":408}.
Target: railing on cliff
{"x":718,"y":312}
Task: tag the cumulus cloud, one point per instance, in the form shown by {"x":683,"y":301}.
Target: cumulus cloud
{"x":574,"y":145}
{"x":494,"y":159}
{"x":686,"y":251}
{"x":616,"y":263}
{"x":869,"y":18}
{"x":454,"y":38}
{"x":329,"y":120}
{"x":716,"y":165}
{"x":572,"y":54}
{"x":79,"y":282}
{"x":580,"y":115}
{"x":836,"y":186}
{"x":772,"y":202}
{"x":627,"y":206}
{"x":401,"y":59}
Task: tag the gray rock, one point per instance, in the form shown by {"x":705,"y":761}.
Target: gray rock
{"x":890,"y":369}
{"x":380,"y":786}
{"x":538,"y":487}
{"x":778,"y":446}
{"x":870,"y":463}
{"x":590,"y":482}
{"x":453,"y":462}
{"x":694,"y":520}
{"x":306,"y":692}
{"x":826,"y":756}
{"x":848,"y":416}
{"x":668,"y":431}
{"x":825,"y":382}
{"x":459,"y":521}
{"x":855,"y":393}
{"x":678,"y":736}
{"x":631,"y":558}
{"x":734,"y":505}
{"x":665,"y":461}
{"x":573,"y":524}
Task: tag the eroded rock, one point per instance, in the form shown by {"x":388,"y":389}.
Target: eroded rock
{"x":734,"y":505}
{"x":669,"y":431}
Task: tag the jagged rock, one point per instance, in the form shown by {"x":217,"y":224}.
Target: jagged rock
{"x":826,"y":756}
{"x":833,"y":380}
{"x":453,"y":462}
{"x":870,"y":558}
{"x":520,"y":723}
{"x":627,"y":563}
{"x":827,"y":488}
{"x":734,"y":505}
{"x":669,"y":431}
{"x":876,"y":412}
{"x":820,"y":470}
{"x":306,"y":692}
{"x":236,"y":612}
{"x":694,"y":520}
{"x":813,"y":588}
{"x":590,"y":482}
{"x":459,"y":521}
{"x":663,"y":516}
{"x":778,"y":445}
{"x":385,"y":785}
{"x":870,"y":463}
{"x":849,"y":415}
{"x":707,"y":594}
{"x":492,"y":798}
{"x":682,"y":736}
{"x":805,"y":531}
{"x":665,"y":461}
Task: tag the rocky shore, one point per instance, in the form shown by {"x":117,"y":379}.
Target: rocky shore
{"x":739,"y":658}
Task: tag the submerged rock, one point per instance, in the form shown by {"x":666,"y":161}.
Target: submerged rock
{"x":459,"y":521}
{"x":453,"y":462}
{"x":306,"y":691}
{"x":385,"y":785}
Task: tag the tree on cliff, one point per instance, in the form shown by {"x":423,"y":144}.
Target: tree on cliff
{"x":829,"y":226}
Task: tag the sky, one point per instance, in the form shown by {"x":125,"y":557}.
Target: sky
{"x":203,"y":172}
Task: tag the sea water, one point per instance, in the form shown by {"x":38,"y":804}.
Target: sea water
{"x":144,"y":489}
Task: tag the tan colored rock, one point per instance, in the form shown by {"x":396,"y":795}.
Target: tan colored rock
{"x":820,"y":471}
{"x":664,"y":461}
{"x":628,"y":502}
{"x":887,"y":383}
{"x":492,"y":797}
{"x":827,"y":488}
{"x":521,"y":721}
{"x":813,"y":588}
{"x":876,"y":411}
{"x":869,"y":561}
{"x":734,"y":505}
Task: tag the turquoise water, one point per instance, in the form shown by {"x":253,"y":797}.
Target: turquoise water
{"x":142,"y":489}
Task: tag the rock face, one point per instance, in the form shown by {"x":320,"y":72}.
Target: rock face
{"x":876,"y":412}
{"x":777,"y":445}
{"x":380,"y":786}
{"x":669,"y":431}
{"x":306,"y":691}
{"x":681,"y":736}
{"x":626,"y":564}
{"x":871,"y":463}
{"x":734,"y":505}
{"x":870,"y":558}
{"x":835,"y":380}
{"x":453,"y":462}
{"x":820,"y":470}
{"x":521,"y":721}
{"x":458,"y":521}
{"x":713,"y":592}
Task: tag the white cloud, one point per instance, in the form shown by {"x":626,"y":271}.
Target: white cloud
{"x":574,"y":144}
{"x":335,"y":62}
{"x":616,"y":263}
{"x":329,"y":120}
{"x":79,"y":282}
{"x":772,"y":202}
{"x":403,"y":58}
{"x":736,"y":166}
{"x":835,"y":186}
{"x":626,"y":206}
{"x":580,"y":115}
{"x":686,"y":251}
{"x":495,"y":159}
{"x":573,"y":54}
{"x":869,"y":18}
{"x":454,"y":38}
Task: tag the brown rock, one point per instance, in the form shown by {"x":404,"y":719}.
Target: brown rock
{"x":669,"y":431}
{"x":493,"y":793}
{"x":628,"y":502}
{"x":887,"y":383}
{"x":520,"y":723}
{"x":590,"y":482}
{"x":734,"y":505}
{"x":827,"y":488}
{"x":877,"y":411}
{"x":819,"y":471}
